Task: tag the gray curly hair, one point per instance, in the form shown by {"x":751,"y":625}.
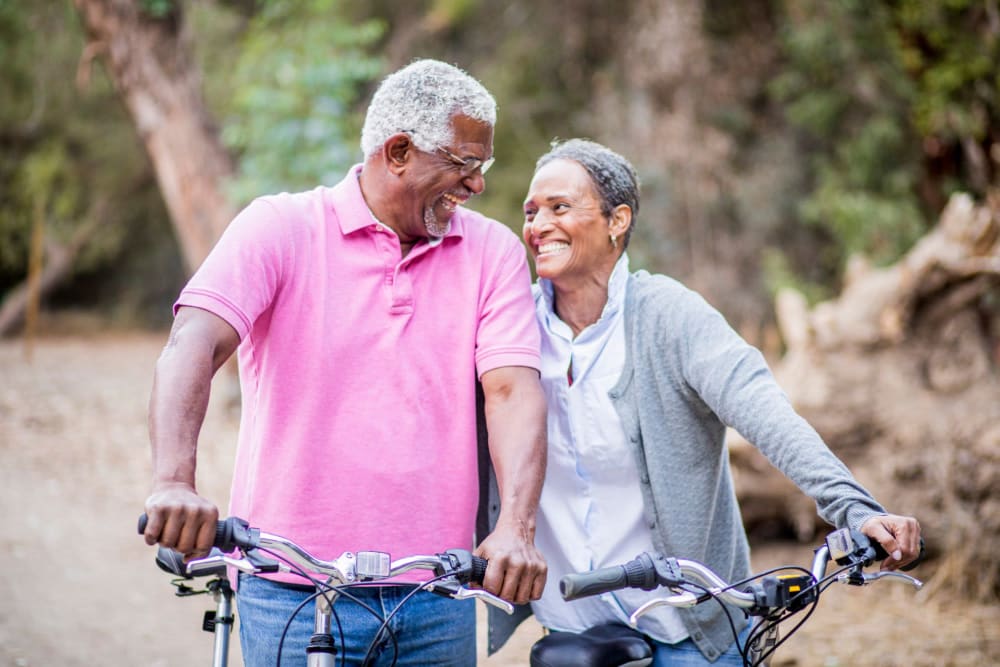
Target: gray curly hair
{"x":420,"y":99}
{"x":613,"y":176}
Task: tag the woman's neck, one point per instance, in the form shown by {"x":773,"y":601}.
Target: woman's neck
{"x":581,"y":303}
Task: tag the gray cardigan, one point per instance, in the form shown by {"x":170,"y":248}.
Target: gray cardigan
{"x":687,"y":375}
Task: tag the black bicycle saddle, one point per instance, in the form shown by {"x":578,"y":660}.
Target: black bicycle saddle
{"x":607,"y":645}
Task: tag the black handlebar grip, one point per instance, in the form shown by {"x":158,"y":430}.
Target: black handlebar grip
{"x":235,"y":532}
{"x":143,"y":520}
{"x":583,"y":584}
{"x":478,"y":570}
{"x":640,"y":572}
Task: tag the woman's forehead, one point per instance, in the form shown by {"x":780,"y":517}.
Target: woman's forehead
{"x":561,"y":178}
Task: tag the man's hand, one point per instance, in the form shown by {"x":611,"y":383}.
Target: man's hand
{"x":898,"y":535}
{"x":517,"y":570}
{"x":180,"y":519}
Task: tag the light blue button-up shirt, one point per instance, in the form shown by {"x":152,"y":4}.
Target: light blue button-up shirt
{"x":591,"y":509}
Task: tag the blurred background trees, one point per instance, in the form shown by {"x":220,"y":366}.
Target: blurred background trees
{"x":774,"y":139}
{"x":777,"y":141}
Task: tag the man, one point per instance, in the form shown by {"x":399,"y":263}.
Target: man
{"x":362,"y":315}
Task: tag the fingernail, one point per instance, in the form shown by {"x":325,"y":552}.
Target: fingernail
{"x":897,"y":555}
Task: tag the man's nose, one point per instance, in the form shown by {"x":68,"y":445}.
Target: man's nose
{"x":476,"y":182}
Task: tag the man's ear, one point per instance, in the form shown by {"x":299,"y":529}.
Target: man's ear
{"x":621,"y":220}
{"x":398,"y":151}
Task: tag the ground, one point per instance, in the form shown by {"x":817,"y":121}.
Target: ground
{"x":79,"y":586}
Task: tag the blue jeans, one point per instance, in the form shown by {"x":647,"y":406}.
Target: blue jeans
{"x":686,"y":654}
{"x":429,"y":629}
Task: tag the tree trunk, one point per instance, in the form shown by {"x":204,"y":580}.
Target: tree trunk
{"x":900,"y":377}
{"x":56,"y":267}
{"x":149,"y":60}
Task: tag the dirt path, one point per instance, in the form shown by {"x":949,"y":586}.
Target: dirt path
{"x":78,"y":586}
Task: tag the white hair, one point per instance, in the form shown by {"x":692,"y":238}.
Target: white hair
{"x":420,"y":99}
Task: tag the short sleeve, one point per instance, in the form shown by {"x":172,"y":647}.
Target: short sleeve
{"x":508,"y":332}
{"x":241,"y":275}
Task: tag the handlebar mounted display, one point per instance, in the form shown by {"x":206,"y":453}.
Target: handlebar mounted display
{"x":785,"y":591}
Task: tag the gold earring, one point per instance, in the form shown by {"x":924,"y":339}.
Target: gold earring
{"x":614,"y":241}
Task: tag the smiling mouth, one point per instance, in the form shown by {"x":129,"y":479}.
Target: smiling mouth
{"x":552,"y":248}
{"x":451,"y":202}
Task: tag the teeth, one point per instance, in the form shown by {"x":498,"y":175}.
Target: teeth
{"x":453,"y":200}
{"x":555,"y":246}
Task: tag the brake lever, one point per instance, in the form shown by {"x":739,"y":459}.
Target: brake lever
{"x":198,"y":565}
{"x":450,"y":587}
{"x":867,"y":578}
{"x":250,"y":563}
{"x":683,"y":600}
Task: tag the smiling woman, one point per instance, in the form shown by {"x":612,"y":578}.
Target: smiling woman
{"x":565,"y":227}
{"x":662,"y":374}
{"x":574,"y":214}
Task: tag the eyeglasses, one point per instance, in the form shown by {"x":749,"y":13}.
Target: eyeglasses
{"x":467,"y":166}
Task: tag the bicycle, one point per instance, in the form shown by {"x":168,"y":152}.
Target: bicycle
{"x":770,"y":597}
{"x":262,"y":553}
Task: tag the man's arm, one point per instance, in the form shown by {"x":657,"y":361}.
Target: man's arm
{"x":199,"y":343}
{"x":515,"y":420}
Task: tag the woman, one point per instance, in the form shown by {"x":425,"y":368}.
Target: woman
{"x":642,"y":377}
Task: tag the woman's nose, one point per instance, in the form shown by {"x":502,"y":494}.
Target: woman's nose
{"x":539,"y":223}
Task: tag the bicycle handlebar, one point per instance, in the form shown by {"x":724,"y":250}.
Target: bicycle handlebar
{"x":452,"y":568}
{"x":647,"y":571}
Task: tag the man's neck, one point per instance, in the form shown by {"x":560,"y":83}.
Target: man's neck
{"x":382,"y":208}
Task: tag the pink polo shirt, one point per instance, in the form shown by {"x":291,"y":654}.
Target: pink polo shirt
{"x":358,"y":369}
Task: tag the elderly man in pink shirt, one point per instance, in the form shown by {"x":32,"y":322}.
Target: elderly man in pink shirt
{"x":362,"y":315}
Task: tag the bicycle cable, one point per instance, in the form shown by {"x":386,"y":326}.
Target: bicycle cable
{"x":385,"y":622}
{"x":322,"y":588}
{"x":756,"y":633}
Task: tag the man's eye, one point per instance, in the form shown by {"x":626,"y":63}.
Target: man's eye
{"x":560,"y":207}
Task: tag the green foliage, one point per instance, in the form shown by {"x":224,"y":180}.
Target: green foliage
{"x":952,"y":50}
{"x":869,"y":84}
{"x":296,"y":84}
{"x":157,"y":9}
{"x":69,"y":152}
{"x":845,"y":88}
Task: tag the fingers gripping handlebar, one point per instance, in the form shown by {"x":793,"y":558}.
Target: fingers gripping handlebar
{"x":230,"y":534}
{"x":849,"y":546}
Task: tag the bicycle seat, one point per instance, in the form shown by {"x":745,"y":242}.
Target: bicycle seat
{"x":608,"y":645}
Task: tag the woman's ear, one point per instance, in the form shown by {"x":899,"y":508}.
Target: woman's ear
{"x":621,"y":220}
